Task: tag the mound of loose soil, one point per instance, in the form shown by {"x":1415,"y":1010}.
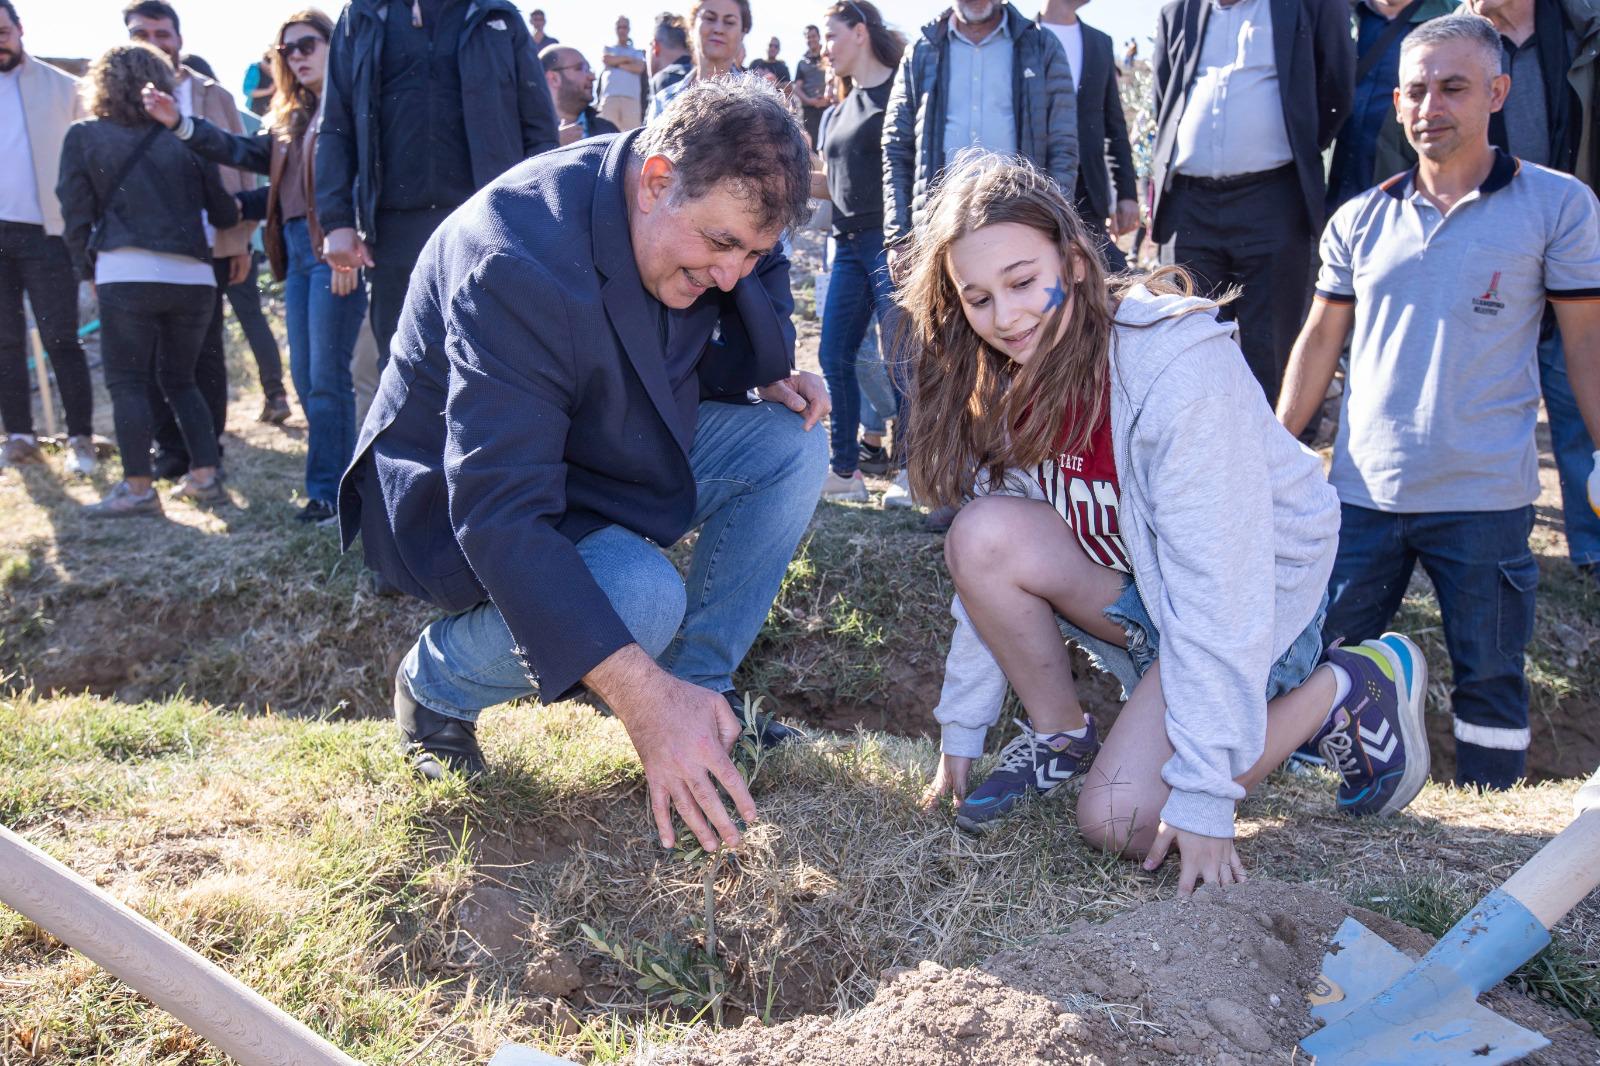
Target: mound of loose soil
{"x":1217,"y":979}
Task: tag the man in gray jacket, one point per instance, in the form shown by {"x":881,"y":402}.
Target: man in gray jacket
{"x":981,"y":75}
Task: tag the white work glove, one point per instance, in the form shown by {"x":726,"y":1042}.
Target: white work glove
{"x":1594,"y":485}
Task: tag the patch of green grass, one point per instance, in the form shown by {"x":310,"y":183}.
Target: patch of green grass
{"x":1561,"y":974}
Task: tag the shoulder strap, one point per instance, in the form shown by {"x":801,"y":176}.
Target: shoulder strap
{"x":1390,"y":34}
{"x":128,"y":164}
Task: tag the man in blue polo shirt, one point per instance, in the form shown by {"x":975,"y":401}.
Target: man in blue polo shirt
{"x":1439,"y":277}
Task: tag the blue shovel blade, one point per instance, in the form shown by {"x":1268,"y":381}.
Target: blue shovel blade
{"x":1379,"y":1008}
{"x":1458,"y":1031}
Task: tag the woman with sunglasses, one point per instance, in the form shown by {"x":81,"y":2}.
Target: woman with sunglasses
{"x":719,"y":28}
{"x":324,"y":306}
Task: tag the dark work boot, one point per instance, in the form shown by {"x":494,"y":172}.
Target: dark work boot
{"x":436,"y":743}
{"x":769,"y":731}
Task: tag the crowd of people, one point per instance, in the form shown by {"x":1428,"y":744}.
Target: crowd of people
{"x":579,"y":285}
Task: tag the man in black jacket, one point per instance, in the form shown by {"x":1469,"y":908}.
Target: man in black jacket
{"x":1248,"y":95}
{"x":423,"y":104}
{"x":1102,"y":125}
{"x":568,"y":392}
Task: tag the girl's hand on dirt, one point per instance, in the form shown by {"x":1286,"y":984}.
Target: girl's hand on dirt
{"x":950,"y":780}
{"x":1201,"y":859}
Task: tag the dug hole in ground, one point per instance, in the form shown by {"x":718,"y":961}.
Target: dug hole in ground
{"x":195,"y":718}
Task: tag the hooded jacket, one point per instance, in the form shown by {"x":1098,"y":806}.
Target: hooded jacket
{"x":1232,"y":565}
{"x":503,"y":90}
{"x":913,"y":123}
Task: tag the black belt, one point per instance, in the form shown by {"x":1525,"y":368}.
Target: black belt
{"x":1233,"y":181}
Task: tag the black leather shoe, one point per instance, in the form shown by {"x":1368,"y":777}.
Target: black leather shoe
{"x":436,"y":743}
{"x":769,"y":731}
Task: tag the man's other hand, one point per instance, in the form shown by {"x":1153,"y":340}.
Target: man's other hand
{"x":683,"y":734}
{"x":803,"y":393}
{"x":1126,"y":218}
{"x":238,"y":268}
{"x":1594,"y":485}
{"x":344,"y":249}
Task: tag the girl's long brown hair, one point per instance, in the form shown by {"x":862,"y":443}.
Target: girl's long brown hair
{"x":975,"y":413}
{"x":293,"y":104}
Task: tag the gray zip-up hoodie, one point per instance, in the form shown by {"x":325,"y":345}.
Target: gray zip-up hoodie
{"x":1231,"y":528}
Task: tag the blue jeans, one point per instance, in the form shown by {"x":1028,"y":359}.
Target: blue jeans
{"x":322,"y":331}
{"x":1485,"y":577}
{"x":758,"y":476}
{"x":1574,"y":452}
{"x":879,"y":400}
{"x":859,"y":288}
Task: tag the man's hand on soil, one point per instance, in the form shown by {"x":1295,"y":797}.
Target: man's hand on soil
{"x":803,"y":393}
{"x":683,"y":734}
{"x":1201,"y":859}
{"x":950,"y":780}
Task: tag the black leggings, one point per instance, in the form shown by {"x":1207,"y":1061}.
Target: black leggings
{"x":152,"y":330}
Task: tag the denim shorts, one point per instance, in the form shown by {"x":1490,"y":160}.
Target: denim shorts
{"x":1144,"y":644}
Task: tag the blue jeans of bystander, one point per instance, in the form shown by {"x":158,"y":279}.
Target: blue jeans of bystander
{"x":859,"y":287}
{"x":322,"y":331}
{"x":1574,"y":452}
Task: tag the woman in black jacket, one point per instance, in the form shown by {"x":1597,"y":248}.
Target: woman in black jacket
{"x":132,"y":197}
{"x":323,"y":306}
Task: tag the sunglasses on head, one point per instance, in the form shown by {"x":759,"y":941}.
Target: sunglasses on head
{"x":304,"y":45}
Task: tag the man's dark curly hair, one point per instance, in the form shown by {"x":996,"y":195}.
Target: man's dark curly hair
{"x":736,"y":129}
{"x":152,"y":9}
{"x":112,"y":86}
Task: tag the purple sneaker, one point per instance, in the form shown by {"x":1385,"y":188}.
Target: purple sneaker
{"x":1375,"y":740}
{"x":1027,"y":764}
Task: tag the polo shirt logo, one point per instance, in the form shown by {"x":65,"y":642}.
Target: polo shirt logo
{"x":1489,"y":303}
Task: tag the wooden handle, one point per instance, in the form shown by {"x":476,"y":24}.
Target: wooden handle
{"x":198,"y":993}
{"x":1563,"y":872}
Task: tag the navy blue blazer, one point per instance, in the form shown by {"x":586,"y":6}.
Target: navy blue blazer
{"x":526,"y":404}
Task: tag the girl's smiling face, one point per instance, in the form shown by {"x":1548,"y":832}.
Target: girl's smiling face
{"x":1010,"y":279}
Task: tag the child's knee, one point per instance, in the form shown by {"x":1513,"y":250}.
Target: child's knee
{"x":1127,"y":831}
{"x":977,"y":537}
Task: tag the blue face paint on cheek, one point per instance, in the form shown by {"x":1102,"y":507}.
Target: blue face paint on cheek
{"x":1057,"y":296}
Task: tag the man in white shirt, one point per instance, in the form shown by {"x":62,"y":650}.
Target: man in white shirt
{"x":1107,"y":195}
{"x":1248,"y":95}
{"x":37,"y":104}
{"x":622,"y":80}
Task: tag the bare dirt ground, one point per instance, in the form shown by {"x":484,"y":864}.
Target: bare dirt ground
{"x":1220,"y":979}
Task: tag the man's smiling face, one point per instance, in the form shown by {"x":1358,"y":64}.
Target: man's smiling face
{"x":686,"y":246}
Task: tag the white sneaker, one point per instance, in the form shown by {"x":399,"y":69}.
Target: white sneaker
{"x":839,"y":487}
{"x":81,"y":459}
{"x":898,"y":495}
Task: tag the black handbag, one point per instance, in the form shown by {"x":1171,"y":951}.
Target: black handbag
{"x":97,"y":232}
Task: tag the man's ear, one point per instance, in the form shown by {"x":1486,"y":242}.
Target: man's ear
{"x":655,"y":182}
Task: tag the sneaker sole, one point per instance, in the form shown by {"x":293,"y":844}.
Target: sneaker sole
{"x":1413,"y":728}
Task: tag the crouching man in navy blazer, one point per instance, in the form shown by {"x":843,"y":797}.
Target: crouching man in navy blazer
{"x":568,"y":395}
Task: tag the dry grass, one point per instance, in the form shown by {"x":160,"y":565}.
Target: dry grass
{"x":301,"y":857}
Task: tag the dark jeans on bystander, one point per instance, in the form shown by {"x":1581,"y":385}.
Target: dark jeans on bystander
{"x":36,"y":264}
{"x":210,"y":377}
{"x":1251,"y":232}
{"x":859,"y":287}
{"x":245,"y":299}
{"x":1485,"y":577}
{"x":152,"y":335}
{"x":401,"y":235}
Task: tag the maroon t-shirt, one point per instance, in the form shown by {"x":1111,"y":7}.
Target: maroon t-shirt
{"x":1082,"y":486}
